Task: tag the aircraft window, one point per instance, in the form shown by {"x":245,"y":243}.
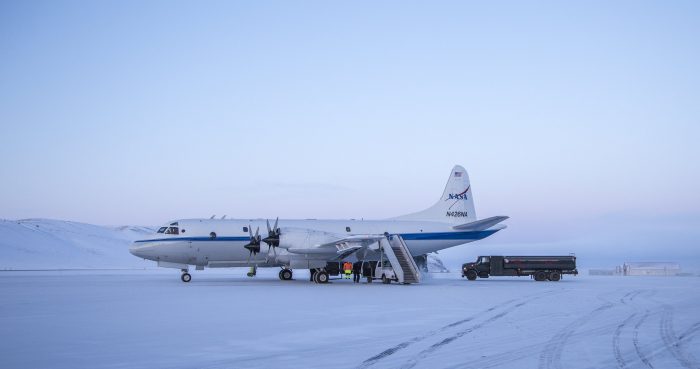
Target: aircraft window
{"x":245,"y":229}
{"x":162,"y":229}
{"x":212,"y":235}
{"x":172,"y":230}
{"x":183,"y":230}
{"x":347,"y":229}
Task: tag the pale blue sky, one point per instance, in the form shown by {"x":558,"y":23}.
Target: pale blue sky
{"x":116,"y":112}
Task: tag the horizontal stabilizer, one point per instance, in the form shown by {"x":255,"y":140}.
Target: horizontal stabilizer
{"x":480,"y":225}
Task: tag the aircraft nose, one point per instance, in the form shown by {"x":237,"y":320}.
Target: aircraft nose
{"x":138,"y":250}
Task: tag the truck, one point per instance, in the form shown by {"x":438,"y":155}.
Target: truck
{"x":541,"y":268}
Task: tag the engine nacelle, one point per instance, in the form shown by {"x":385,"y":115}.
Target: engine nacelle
{"x":300,"y":238}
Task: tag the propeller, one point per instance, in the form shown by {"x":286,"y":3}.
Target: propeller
{"x":254,"y":245}
{"x":273,"y":237}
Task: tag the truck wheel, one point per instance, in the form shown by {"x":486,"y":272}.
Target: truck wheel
{"x":540,"y":276}
{"x":554,"y":276}
{"x":385,"y":280}
{"x":471,"y":274}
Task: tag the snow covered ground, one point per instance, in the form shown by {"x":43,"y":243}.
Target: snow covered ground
{"x":149,"y":319}
{"x":56,"y":244}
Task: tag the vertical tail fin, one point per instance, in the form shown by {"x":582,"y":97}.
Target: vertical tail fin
{"x":456,"y":205}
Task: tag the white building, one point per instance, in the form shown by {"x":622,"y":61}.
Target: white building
{"x":651,"y":268}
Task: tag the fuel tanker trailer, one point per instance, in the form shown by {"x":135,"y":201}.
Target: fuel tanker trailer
{"x":541,"y":268}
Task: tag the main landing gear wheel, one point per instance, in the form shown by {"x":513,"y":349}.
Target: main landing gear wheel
{"x":186,"y":277}
{"x":285,"y":274}
{"x":321,"y":277}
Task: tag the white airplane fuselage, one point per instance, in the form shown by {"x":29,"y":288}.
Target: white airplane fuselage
{"x":194,"y":244}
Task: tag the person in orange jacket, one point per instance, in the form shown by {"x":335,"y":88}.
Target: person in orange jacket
{"x":347,"y":268}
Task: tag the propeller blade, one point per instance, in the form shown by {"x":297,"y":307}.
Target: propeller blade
{"x":254,"y":245}
{"x":275,"y":227}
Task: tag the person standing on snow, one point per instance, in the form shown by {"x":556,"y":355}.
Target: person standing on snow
{"x":347,"y":267}
{"x":356,"y":271}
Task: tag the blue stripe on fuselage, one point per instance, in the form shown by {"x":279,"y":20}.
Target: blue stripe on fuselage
{"x":423,"y":236}
{"x":197,"y":239}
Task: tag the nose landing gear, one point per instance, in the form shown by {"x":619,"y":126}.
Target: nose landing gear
{"x":186,"y":277}
{"x":252,"y":271}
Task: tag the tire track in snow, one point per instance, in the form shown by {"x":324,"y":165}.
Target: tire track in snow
{"x":394,"y":349}
{"x":635,"y":341}
{"x":695,"y":328}
{"x":671,"y":341}
{"x":617,"y":350}
{"x":501,"y":358}
{"x":423,"y":354}
{"x":621,"y":363}
{"x":551,"y":355}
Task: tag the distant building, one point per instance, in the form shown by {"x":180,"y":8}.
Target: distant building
{"x":601,"y":272}
{"x":651,"y":268}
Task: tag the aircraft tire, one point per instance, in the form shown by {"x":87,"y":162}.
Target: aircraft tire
{"x":286,"y":274}
{"x":471,"y":274}
{"x":186,"y":277}
{"x":321,"y":277}
{"x":280,"y":275}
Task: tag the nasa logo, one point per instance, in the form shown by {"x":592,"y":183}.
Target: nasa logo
{"x":458,"y":196}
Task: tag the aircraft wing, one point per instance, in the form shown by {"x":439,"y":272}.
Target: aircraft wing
{"x":481,"y":225}
{"x":339,"y":249}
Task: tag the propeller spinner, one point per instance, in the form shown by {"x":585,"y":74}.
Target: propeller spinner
{"x":254,"y":245}
{"x":273,"y":236}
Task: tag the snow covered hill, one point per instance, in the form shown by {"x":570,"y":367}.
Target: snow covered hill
{"x":56,"y":244}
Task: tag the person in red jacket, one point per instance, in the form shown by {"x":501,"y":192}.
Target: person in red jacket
{"x":347,"y":268}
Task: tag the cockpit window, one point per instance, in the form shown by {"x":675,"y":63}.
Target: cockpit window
{"x":172,"y":230}
{"x":162,"y":229}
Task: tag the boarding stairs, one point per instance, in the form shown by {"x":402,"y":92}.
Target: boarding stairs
{"x":401,"y":259}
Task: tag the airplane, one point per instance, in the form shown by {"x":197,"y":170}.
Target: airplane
{"x":311,"y":243}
